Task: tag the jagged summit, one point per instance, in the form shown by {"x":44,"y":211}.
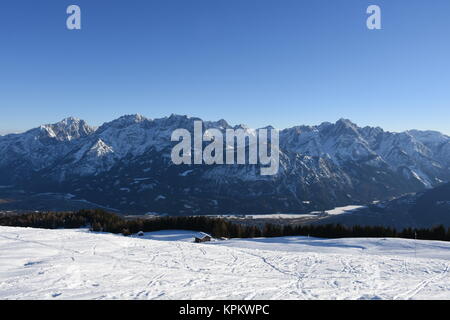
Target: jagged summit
{"x":66,"y":122}
{"x":67,"y":129}
{"x":126,"y":120}
{"x":345,"y":122}
{"x":69,"y":120}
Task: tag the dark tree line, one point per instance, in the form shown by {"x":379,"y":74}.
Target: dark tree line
{"x":99,"y":220}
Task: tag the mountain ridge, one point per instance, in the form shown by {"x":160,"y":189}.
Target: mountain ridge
{"x":329,"y":164}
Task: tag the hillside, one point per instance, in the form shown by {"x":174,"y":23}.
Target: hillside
{"x":424,"y":209}
{"x":76,"y":264}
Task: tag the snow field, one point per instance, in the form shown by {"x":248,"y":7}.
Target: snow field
{"x":77,"y":264}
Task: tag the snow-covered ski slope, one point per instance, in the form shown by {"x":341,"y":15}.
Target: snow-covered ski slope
{"x":76,"y":264}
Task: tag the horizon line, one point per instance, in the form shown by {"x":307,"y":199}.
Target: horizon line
{"x":15,"y":131}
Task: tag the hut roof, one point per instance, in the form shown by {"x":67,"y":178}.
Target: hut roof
{"x":201,"y":235}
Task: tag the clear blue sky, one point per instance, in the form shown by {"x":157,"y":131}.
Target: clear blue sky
{"x":259,"y":62}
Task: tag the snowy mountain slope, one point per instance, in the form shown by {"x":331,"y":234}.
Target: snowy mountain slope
{"x":39,"y":148}
{"x":426,"y":209}
{"x":326,"y":166}
{"x":75,"y":264}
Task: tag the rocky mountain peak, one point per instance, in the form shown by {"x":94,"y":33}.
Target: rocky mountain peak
{"x":67,"y":129}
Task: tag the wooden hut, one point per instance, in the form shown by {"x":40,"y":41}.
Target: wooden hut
{"x":202,"y":237}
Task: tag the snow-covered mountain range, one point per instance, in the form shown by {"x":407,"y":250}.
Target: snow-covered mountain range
{"x":126,"y":164}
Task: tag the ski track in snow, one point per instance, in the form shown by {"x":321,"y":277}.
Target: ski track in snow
{"x":76,"y":264}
